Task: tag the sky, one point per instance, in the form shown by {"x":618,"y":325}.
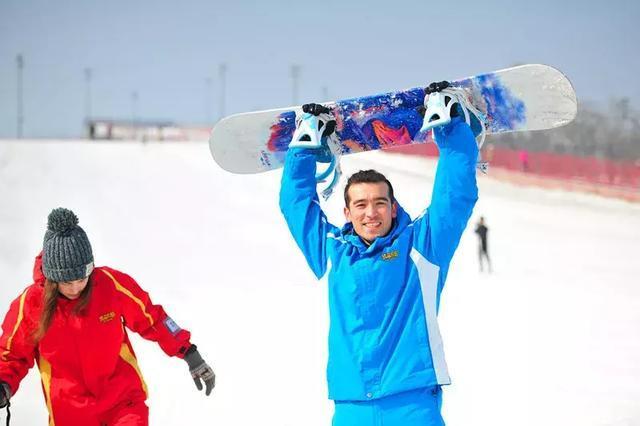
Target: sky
{"x":551,"y":337}
{"x":160,"y":60}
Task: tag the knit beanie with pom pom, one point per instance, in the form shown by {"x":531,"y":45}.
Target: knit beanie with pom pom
{"x":66,"y":252}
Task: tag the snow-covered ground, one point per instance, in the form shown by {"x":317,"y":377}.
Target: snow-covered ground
{"x":552,"y":337}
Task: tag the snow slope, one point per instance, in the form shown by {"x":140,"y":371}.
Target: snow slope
{"x":551,"y":337}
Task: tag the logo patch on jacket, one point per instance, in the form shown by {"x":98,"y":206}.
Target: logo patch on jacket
{"x":171,"y":325}
{"x":390,"y":255}
{"x":107,"y":317}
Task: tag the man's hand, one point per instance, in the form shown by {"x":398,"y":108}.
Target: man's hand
{"x":313,"y":126}
{"x":200,"y":370}
{"x":435,"y":87}
{"x":327,"y":120}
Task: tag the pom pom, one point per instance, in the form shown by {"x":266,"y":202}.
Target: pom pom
{"x":61,"y":220}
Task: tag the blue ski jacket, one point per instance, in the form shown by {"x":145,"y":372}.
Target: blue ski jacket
{"x":383,"y":298}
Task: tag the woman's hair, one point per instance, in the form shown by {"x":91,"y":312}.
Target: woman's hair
{"x":50,"y":301}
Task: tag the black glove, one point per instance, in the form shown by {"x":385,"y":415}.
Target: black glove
{"x":5,"y":394}
{"x":315,"y":109}
{"x":437,"y":86}
{"x":200,"y":370}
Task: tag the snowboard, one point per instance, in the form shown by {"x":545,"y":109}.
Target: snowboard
{"x":522,"y":98}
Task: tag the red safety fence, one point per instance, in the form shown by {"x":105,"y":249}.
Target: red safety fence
{"x":620,"y":175}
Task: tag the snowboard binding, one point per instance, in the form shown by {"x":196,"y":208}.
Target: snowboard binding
{"x":315,"y":129}
{"x":443,"y":101}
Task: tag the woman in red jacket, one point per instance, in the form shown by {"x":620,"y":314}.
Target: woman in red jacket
{"x":71,"y":321}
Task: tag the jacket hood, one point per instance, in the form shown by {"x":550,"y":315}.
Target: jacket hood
{"x":38,"y":275}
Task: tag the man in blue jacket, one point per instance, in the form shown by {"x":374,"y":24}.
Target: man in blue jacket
{"x":386,"y":273}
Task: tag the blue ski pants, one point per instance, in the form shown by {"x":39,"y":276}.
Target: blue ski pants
{"x":419,"y":407}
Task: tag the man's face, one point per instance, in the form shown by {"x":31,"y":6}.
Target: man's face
{"x":370,"y":210}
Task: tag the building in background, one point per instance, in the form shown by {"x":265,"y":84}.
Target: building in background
{"x":147,"y":130}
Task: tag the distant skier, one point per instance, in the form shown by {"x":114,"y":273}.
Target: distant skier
{"x":483,"y":251}
{"x":72,"y":320}
{"x":386,"y":272}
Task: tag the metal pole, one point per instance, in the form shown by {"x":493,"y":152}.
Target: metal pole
{"x":87,"y":98}
{"x":295,"y":75}
{"x":134,"y":113}
{"x":207,"y":100}
{"x":222,"y":71}
{"x":325,"y":93}
{"x":20,"y":118}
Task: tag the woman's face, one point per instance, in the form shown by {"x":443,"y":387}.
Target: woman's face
{"x":72,"y":289}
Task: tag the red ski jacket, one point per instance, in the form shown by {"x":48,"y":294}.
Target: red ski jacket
{"x":86,"y":362}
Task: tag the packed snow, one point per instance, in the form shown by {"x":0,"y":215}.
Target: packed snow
{"x":551,"y":337}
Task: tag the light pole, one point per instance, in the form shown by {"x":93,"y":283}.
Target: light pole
{"x":134,"y":113}
{"x":87,"y":97}
{"x":207,"y":100}
{"x":20,"y":116}
{"x":325,"y":93}
{"x":222,"y":74}
{"x":295,"y":75}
